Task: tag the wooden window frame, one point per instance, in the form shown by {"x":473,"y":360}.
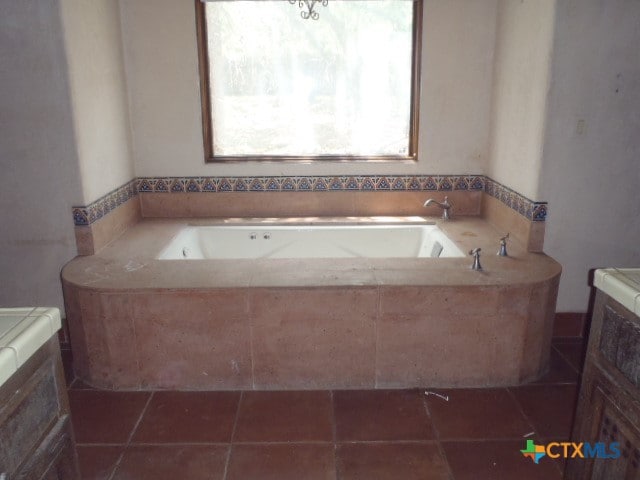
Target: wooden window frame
{"x":205,"y":99}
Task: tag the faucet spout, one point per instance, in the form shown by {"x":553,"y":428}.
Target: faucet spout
{"x":445,"y":206}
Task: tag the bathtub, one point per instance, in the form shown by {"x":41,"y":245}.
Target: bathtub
{"x":309,"y":241}
{"x":220,"y":304}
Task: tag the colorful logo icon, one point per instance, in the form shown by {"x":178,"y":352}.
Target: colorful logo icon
{"x":571,"y":450}
{"x":533,"y":451}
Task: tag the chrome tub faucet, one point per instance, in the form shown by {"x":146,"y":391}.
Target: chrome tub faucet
{"x":445,"y":206}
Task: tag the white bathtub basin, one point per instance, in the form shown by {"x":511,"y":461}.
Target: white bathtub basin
{"x":304,"y":241}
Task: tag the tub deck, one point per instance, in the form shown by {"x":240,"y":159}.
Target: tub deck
{"x":141,"y":323}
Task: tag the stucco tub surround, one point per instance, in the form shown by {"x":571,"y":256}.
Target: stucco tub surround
{"x":140,"y":322}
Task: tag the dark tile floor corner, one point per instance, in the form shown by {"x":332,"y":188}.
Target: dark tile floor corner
{"x":452,"y":434}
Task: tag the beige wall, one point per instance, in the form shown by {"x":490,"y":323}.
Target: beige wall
{"x":98,"y":94}
{"x":591,"y":175}
{"x":524,"y":42}
{"x":37,"y":155}
{"x":129,"y":105}
{"x":162,"y":74}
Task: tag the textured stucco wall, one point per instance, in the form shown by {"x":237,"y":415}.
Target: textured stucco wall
{"x":37,"y":155}
{"x":591,"y":162}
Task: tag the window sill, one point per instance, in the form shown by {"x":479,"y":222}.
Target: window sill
{"x":397,"y":160}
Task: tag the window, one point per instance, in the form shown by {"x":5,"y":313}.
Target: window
{"x":342,"y":85}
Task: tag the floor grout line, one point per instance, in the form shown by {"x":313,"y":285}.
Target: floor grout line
{"x":388,"y":442}
{"x":536,"y":432}
{"x":117,"y":464}
{"x":163,"y":444}
{"x":566,"y":360}
{"x":436,"y":433}
{"x":522,"y":412}
{"x":236,"y":418}
{"x":248,"y":299}
{"x":285,"y":442}
{"x":128,"y":443}
{"x":137,"y":424}
{"x":531,"y":423}
{"x":233,"y":436}
{"x":334,"y":434}
{"x":100,"y":444}
{"x":334,"y":426}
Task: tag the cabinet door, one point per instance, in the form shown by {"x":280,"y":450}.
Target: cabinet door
{"x":55,"y":458}
{"x":31,"y":410}
{"x":615,"y":427}
{"x":605,"y":423}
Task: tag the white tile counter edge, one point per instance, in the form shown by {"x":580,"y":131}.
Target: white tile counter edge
{"x":38,"y":324}
{"x":618,"y":284}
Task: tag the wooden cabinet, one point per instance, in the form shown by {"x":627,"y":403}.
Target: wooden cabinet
{"x":609,"y":402}
{"x":36,"y":438}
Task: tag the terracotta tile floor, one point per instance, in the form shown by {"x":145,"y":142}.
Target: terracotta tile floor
{"x":343,"y":435}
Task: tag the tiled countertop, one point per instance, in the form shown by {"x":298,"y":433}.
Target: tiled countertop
{"x":621,"y":284}
{"x":22,"y":332}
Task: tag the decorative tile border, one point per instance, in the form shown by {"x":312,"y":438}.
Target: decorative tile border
{"x":535,"y":211}
{"x":86,"y":215}
{"x":310,"y":183}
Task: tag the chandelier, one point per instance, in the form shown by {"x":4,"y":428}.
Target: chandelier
{"x":310,"y":7}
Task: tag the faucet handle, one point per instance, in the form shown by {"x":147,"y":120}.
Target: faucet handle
{"x":446,"y":209}
{"x":476,"y":258}
{"x":503,"y":246}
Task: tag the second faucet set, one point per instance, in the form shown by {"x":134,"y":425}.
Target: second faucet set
{"x":476,"y":253}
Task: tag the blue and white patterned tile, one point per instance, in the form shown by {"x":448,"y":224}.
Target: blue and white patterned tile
{"x":80,"y":216}
{"x":225,"y":185}
{"x":460,"y":183}
{"x":272,"y":185}
{"x":257,"y":185}
{"x":288,"y":184}
{"x":336,"y":184}
{"x":382,"y":183}
{"x":414,"y":184}
{"x":145,"y":185}
{"x":85,"y":215}
{"x":177,"y":185}
{"x":240,"y":184}
{"x":161,"y":186}
{"x":431,"y":183}
{"x":539,"y":213}
{"x":475,"y":183}
{"x":351,"y":183}
{"x":305,"y":185}
{"x":193,"y":185}
{"x":320,"y":184}
{"x":368,"y":184}
{"x":445,"y":184}
{"x":398,"y":183}
{"x":209,"y":185}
